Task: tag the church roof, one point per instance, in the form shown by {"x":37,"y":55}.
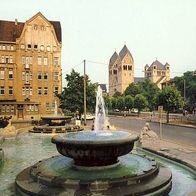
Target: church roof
{"x":124,"y":51}
{"x":113,"y":58}
{"x":159,"y":65}
{"x":10,"y":30}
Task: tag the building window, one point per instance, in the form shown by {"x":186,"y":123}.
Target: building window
{"x":6,"y":59}
{"x":26,"y":78}
{"x":47,"y":106}
{"x":114,"y":71}
{"x":2,"y":74}
{"x":56,"y":89}
{"x":39,"y":91}
{"x":11,"y":59}
{"x":56,"y":60}
{"x":154,"y":67}
{"x":56,"y":76}
{"x":2,"y":59}
{"x":2,"y":90}
{"x":48,"y":48}
{"x":12,"y":109}
{"x":35,"y":27}
{"x":10,"y":74}
{"x":45,"y":61}
{"x":42,"y":48}
{"x":3,"y":47}
{"x":31,"y":91}
{"x":124,"y":67}
{"x":39,"y":77}
{"x":45,"y":90}
{"x":23,"y":90}
{"x":22,"y":46}
{"x":39,"y":60}
{"x":10,"y":90}
{"x":23,"y":75}
{"x":45,"y":76}
{"x":54,"y":48}
{"x":23,"y":60}
{"x":30,"y":76}
{"x":29,"y":46}
{"x":35,"y":46}
{"x":29,"y":60}
{"x":129,"y":67}
{"x":12,"y":47}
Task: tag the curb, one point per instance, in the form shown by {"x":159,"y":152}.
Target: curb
{"x":177,"y":125}
{"x":185,"y":162}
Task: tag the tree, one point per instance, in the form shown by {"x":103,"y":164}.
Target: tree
{"x":72,"y":97}
{"x":114,"y":102}
{"x":170,"y":99}
{"x":187,"y":84}
{"x":129,"y":101}
{"x":140,"y":102}
{"x":149,"y":90}
{"x":120,"y":103}
{"x":133,"y":90}
{"x":108,"y":102}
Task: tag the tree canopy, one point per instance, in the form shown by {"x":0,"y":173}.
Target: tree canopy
{"x":187,"y":84}
{"x":170,"y":99}
{"x":72,"y":97}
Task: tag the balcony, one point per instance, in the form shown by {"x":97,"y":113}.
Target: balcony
{"x":26,"y":66}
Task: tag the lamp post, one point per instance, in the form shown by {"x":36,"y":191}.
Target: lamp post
{"x":84,"y":92}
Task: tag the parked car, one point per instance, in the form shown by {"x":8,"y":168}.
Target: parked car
{"x":88,"y":117}
{"x":134,"y":110}
{"x":116,"y":110}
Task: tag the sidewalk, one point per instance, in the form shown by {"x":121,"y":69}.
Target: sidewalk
{"x":181,"y":154}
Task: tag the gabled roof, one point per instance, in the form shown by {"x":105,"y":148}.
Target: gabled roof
{"x":124,"y":51}
{"x":113,"y":58}
{"x":9,"y":30}
{"x":159,"y":65}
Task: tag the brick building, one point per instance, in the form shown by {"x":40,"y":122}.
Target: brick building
{"x":30,"y":66}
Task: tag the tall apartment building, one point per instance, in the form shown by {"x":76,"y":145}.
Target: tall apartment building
{"x":157,"y":73}
{"x":30,"y":66}
{"x":121,"y":71}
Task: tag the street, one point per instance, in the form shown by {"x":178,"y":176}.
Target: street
{"x":177,"y":134}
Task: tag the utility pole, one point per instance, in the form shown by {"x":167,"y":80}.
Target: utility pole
{"x":84,"y":92}
{"x":184,"y":90}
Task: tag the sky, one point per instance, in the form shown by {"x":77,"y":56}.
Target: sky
{"x":95,"y":29}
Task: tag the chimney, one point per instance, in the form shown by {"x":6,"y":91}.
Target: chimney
{"x":16,"y":21}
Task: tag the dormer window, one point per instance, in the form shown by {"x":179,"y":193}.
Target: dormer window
{"x":154,"y":67}
{"x":48,"y":48}
{"x":42,"y":48}
{"x":35,"y":27}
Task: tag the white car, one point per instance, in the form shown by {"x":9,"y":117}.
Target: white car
{"x":88,"y":117}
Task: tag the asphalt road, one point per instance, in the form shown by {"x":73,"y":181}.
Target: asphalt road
{"x":178,"y":134}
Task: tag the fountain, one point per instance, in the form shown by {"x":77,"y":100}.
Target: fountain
{"x":55,"y":124}
{"x":95,"y":163}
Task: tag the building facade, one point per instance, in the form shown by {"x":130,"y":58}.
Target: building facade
{"x":30,"y":66}
{"x":121,"y":71}
{"x":157,"y":73}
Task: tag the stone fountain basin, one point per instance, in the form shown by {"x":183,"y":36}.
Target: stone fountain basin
{"x":95,"y":148}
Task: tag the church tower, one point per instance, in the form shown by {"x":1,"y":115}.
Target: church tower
{"x":121,"y":71}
